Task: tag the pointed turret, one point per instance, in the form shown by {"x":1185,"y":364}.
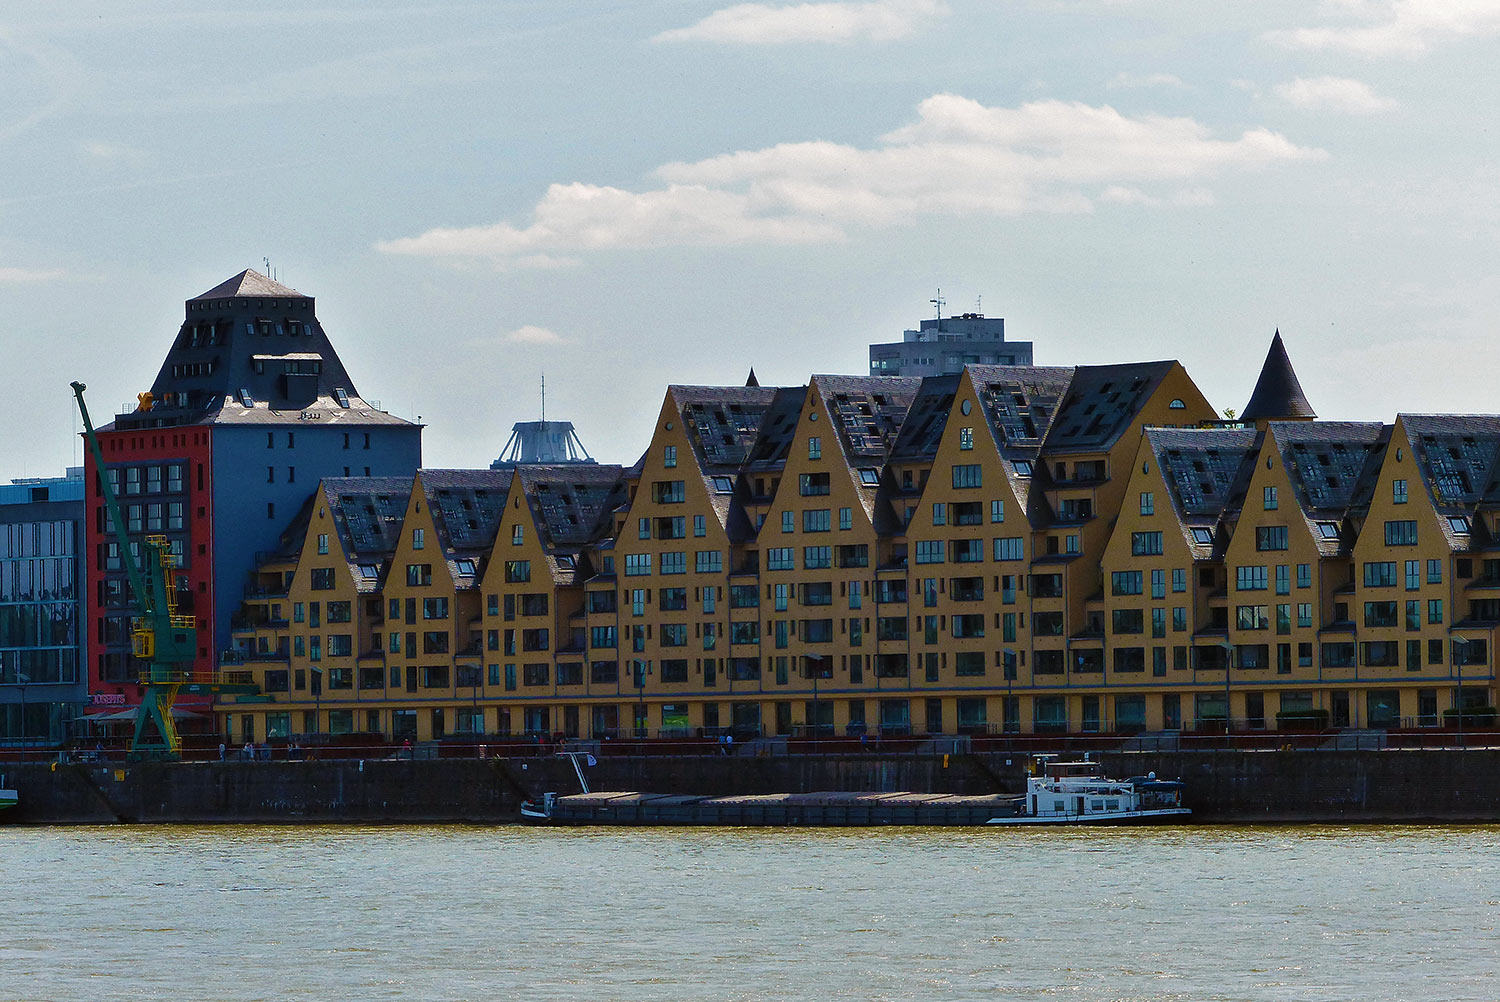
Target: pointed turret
{"x":1278,"y":395}
{"x":752,"y":381}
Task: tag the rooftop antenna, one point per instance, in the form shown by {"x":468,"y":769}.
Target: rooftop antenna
{"x":939,"y":302}
{"x":979,"y":305}
{"x":544,"y":398}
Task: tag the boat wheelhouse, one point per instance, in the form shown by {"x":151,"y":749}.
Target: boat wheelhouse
{"x":1079,"y":793}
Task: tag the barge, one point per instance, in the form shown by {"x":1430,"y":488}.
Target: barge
{"x":1058,"y":793}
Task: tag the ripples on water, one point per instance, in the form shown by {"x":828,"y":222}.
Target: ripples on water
{"x":426,"y":913}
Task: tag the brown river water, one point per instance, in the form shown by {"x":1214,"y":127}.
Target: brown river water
{"x":492,"y":913}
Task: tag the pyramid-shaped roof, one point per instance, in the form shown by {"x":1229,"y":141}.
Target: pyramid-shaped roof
{"x":249,"y":283}
{"x":1278,"y":394}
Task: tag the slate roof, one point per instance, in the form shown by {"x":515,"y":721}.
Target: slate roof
{"x":572,"y":505}
{"x":925,"y":419}
{"x":466,"y":506}
{"x":249,"y":283}
{"x":778,"y":426}
{"x":1020,"y":402}
{"x":367,"y":514}
{"x":1101,"y":402}
{"x":1206,"y":472}
{"x":722,"y":421}
{"x":1333,"y":466}
{"x":1459,"y":459}
{"x":1278,"y":393}
{"x":251,"y":351}
{"x":868,"y":412}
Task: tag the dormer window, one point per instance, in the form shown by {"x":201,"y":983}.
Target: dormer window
{"x":1459,"y":524}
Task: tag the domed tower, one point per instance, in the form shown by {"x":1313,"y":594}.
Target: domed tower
{"x":1278,"y":394}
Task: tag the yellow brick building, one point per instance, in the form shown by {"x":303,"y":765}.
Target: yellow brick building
{"x":1015,"y":549}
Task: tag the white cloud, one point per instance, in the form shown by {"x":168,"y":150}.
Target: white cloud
{"x":528,"y":336}
{"x":16,"y":276}
{"x":959,"y":158}
{"x":1132,"y":81}
{"x":1353,"y":97}
{"x":764,"y":24}
{"x":1398,"y":27}
{"x":531,"y":334}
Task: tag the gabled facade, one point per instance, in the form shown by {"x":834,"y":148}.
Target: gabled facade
{"x":1009,"y":550}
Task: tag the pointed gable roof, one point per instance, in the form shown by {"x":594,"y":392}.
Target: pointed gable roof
{"x":868,"y":412}
{"x":572,"y":505}
{"x":722,"y":422}
{"x":1206,"y":472}
{"x":926,"y":418}
{"x":249,"y":283}
{"x":1278,"y":394}
{"x":1101,"y":402}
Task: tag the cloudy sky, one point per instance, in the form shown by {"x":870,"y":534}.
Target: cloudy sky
{"x":627,"y":194}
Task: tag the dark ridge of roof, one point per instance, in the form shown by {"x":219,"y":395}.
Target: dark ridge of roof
{"x":1332,"y":464}
{"x":1020,"y":402}
{"x":1100,"y":403}
{"x":778,"y":426}
{"x":1278,"y":393}
{"x":926,"y":418}
{"x":249,"y":283}
{"x":367,"y":513}
{"x":869,"y":410}
{"x":572,"y":505}
{"x":290,"y":540}
{"x":466,"y":506}
{"x":722,"y":421}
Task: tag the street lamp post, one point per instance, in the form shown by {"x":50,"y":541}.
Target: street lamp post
{"x":1460,"y":649}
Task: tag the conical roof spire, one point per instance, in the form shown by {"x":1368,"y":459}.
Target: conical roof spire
{"x":1278,"y":395}
{"x":752,"y":381}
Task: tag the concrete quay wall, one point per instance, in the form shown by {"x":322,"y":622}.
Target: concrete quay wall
{"x":1222,"y":786}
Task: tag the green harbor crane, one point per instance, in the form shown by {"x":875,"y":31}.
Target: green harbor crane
{"x":166,"y":641}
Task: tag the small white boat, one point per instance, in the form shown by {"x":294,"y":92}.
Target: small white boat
{"x":1078,"y":793}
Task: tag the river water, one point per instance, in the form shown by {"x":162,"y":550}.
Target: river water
{"x":492,"y":913}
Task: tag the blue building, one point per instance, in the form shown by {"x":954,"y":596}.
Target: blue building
{"x":42,"y":650}
{"x":250,"y":409}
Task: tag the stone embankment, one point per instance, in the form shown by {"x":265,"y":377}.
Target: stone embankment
{"x":1222,"y":786}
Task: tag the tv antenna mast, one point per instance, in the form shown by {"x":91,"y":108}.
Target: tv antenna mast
{"x":939,"y":302}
